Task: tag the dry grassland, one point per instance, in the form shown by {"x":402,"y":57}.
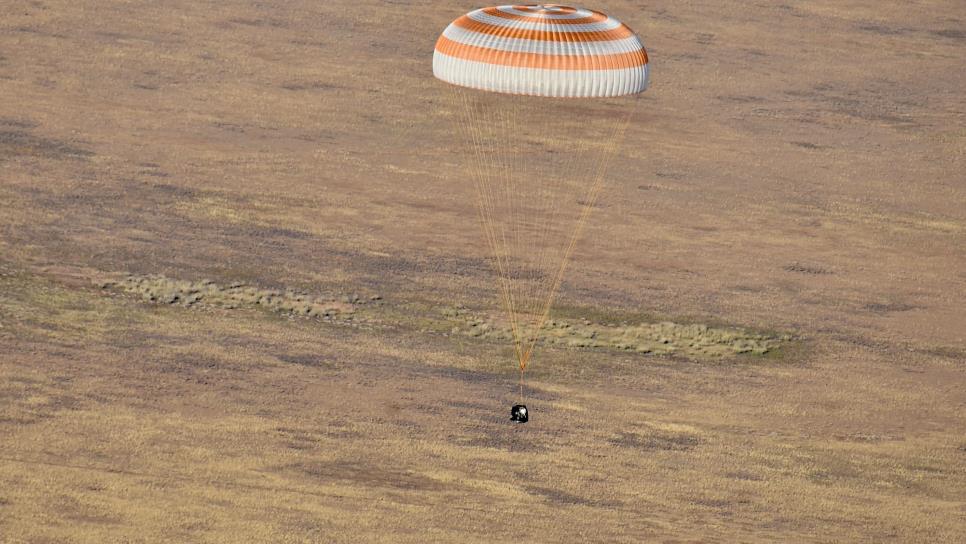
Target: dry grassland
{"x":243,"y":295}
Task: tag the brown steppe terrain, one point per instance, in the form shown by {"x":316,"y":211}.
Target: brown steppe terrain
{"x":239,"y":257}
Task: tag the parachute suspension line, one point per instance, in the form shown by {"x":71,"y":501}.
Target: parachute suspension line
{"x":499,"y":250}
{"x":512,"y":203}
{"x":525,"y":220}
{"x":574,"y":167}
{"x":528,"y":217}
{"x":591,"y":200}
{"x":542,"y":186}
{"x":599,"y":170}
{"x":531,"y":177}
{"x":546,"y":186}
{"x":529,"y":227}
{"x":554,"y":192}
{"x":471,"y":121}
{"x":500,"y":131}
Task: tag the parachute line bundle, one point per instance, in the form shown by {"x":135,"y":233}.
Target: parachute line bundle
{"x":542,"y":96}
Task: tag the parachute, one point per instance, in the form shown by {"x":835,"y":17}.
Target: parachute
{"x":542,"y":96}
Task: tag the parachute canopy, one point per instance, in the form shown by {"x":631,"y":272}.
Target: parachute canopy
{"x":545,"y":50}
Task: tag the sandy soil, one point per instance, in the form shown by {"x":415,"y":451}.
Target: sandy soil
{"x":795,"y":172}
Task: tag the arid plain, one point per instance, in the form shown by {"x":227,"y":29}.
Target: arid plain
{"x":244,"y":298}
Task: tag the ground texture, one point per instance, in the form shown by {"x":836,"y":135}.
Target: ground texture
{"x":243,"y":295}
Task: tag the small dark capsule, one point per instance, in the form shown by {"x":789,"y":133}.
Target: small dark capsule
{"x":519,"y":414}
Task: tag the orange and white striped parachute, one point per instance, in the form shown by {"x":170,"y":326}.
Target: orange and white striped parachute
{"x":543,"y":50}
{"x":543,"y":95}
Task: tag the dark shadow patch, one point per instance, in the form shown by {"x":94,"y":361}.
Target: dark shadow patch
{"x":866,"y":438}
{"x":746,"y":288}
{"x":17,"y":143}
{"x":16,"y":123}
{"x":881,"y":29}
{"x":956,"y":354}
{"x":310,"y":43}
{"x":279,"y":232}
{"x":888,"y":307}
{"x":176,"y":191}
{"x":683,"y":57}
{"x":671,"y":175}
{"x":951,"y":33}
{"x":306,"y":359}
{"x":800,"y":268}
{"x":929,"y":469}
{"x":82,"y":512}
{"x":468,"y":406}
{"x":562,"y":498}
{"x":808,"y":145}
{"x":462,"y":375}
{"x":111,"y":35}
{"x":501,"y":440}
{"x":656,"y":441}
{"x":300,"y":446}
{"x":257,"y":23}
{"x":303,"y":440}
{"x":196,"y":369}
{"x":367,"y":475}
{"x":310,"y":86}
{"x":744,"y":476}
{"x":875,"y":102}
{"x":36,"y":31}
{"x":230,"y":127}
{"x":740,"y":99}
{"x":21,"y":421}
{"x":595,"y":205}
{"x":712,"y":503}
{"x":867,"y":343}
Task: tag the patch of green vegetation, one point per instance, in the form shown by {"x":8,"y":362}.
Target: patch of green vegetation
{"x":603,"y":315}
{"x":628,"y":333}
{"x":47,"y":308}
{"x":163,"y":290}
